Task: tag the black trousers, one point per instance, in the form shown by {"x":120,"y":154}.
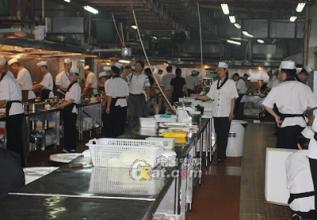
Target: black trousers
{"x":118,"y":117}
{"x":239,"y":107}
{"x":313,"y":168}
{"x":222,"y":128}
{"x":107,"y":127}
{"x":14,"y":128}
{"x":136,"y":109}
{"x":70,"y":130}
{"x":288,"y":137}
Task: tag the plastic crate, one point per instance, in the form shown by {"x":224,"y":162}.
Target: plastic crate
{"x":123,"y":152}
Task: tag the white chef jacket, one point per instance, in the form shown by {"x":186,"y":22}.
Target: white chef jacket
{"x":166,"y":81}
{"x":192,"y":82}
{"x":309,"y":132}
{"x":11,"y":91}
{"x":25,"y":81}
{"x":138,"y":83}
{"x":222,"y":98}
{"x":47,"y":81}
{"x":92,"y":81}
{"x":74,"y":93}
{"x":291,"y":97}
{"x":62,"y":80}
{"x":117,"y":87}
{"x":241,"y":87}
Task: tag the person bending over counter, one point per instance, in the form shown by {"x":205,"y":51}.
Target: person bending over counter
{"x":45,"y":87}
{"x":70,"y":111}
{"x":62,"y":81}
{"x":11,"y":99}
{"x":223,"y":93}
{"x":117,"y":91}
{"x":24,"y":79}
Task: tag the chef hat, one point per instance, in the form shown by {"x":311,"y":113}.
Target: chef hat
{"x":67,"y":61}
{"x":117,"y":65}
{"x":104,"y":74}
{"x":107,"y":68}
{"x":42,"y":63}
{"x":12,"y":61}
{"x":308,"y":69}
{"x":288,"y":65}
{"x":87,"y":67}
{"x":3,"y":61}
{"x":75,"y":70}
{"x":223,"y":65}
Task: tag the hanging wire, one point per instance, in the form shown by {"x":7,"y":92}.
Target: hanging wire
{"x":200,"y":36}
{"x":117,"y":30}
{"x":148,"y":61}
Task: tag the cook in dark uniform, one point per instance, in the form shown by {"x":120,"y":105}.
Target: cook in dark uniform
{"x":11,"y":99}
{"x":117,"y":91}
{"x":292,"y":100}
{"x":70,"y":111}
{"x":47,"y":83}
{"x":223,"y":93}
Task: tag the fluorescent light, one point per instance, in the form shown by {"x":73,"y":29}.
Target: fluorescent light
{"x":293,"y":19}
{"x":300,"y":6}
{"x":68,"y":1}
{"x":245,"y":33}
{"x":155,"y":37}
{"x":232,"y":19}
{"x":234,"y":42}
{"x":225,"y":8}
{"x":260,"y":41}
{"x":91,"y":9}
{"x":124,"y":61}
{"x":237,"y":25}
{"x":134,"y":27}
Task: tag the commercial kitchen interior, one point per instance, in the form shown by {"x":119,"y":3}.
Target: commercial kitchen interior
{"x":251,"y":36}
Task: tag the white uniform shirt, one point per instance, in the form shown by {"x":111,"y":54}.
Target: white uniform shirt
{"x":47,"y":81}
{"x":138,"y":83}
{"x":75,"y":94}
{"x":291,"y":97}
{"x":166,"y":81}
{"x":92,"y":81}
{"x":241,"y":86}
{"x":11,"y":91}
{"x":117,"y":87}
{"x":25,"y":81}
{"x":192,"y":82}
{"x":222,"y":98}
{"x":62,"y":80}
{"x":309,"y":133}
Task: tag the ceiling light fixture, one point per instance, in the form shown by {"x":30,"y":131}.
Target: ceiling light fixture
{"x":232,"y":19}
{"x":292,"y":18}
{"x":234,"y":42}
{"x":237,"y":25}
{"x":68,"y":1}
{"x":134,"y":27}
{"x":225,"y":8}
{"x":124,"y":61}
{"x":300,"y":6}
{"x":91,"y":9}
{"x":260,"y":41}
{"x":154,"y":37}
{"x":245,"y":33}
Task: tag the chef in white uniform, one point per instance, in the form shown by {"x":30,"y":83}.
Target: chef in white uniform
{"x":117,"y":91}
{"x":223,"y":93}
{"x":24,"y":79}
{"x":292,"y":100}
{"x":62,"y":81}
{"x":91,"y":83}
{"x":70,"y":111}
{"x":47,"y":83}
{"x":11,"y":99}
{"x":242,"y":90}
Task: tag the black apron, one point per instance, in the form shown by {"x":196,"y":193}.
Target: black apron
{"x":45,"y":94}
{"x":69,"y":108}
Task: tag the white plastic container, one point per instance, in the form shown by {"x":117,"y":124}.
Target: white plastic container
{"x":236,"y":138}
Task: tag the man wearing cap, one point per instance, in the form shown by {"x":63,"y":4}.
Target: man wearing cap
{"x":102,"y":78}
{"x":223,"y":93}
{"x":292,"y":100}
{"x":11,"y":100}
{"x":70,"y":111}
{"x":139,"y":86}
{"x":62,"y":81}
{"x":47,"y":83}
{"x":24,"y":79}
{"x":117,"y":91}
{"x":91,"y":84}
{"x":303,"y":75}
{"x":192,"y":82}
